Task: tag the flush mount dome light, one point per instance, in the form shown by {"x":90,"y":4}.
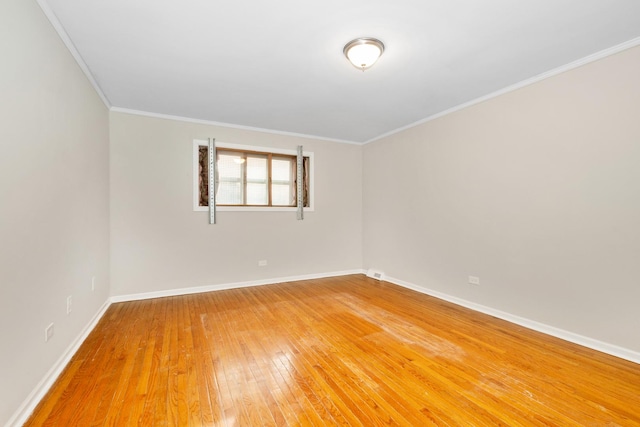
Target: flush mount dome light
{"x":363,"y":52}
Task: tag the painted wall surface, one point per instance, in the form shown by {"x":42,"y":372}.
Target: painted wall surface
{"x":536,"y":192}
{"x":54,"y":215}
{"x":159,"y":243}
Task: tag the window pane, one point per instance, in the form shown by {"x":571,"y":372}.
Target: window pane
{"x":257,"y":178}
{"x":252,"y":178}
{"x":229,"y":193}
{"x":229,"y":179}
{"x":256,"y":168}
{"x":229,"y":166}
{"x":281,"y":170}
{"x":282,"y":181}
{"x":281,"y":195}
{"x":257,"y":194}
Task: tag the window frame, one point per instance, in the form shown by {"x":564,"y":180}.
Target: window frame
{"x":197,"y":143}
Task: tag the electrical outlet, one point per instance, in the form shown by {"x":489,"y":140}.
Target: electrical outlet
{"x":473,"y":280}
{"x":69,"y":303}
{"x":262,"y":263}
{"x":93,"y":283}
{"x":48,"y":333}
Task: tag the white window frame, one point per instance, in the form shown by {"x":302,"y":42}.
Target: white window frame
{"x":197,"y":143}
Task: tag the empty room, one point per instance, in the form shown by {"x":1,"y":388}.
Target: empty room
{"x":413,"y":213}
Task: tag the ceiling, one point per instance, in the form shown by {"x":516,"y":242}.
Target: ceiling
{"x":278,"y":65}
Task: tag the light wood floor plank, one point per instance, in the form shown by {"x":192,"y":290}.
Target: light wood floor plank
{"x":340,"y":351}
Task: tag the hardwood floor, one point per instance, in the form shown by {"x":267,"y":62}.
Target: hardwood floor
{"x":347,"y":351}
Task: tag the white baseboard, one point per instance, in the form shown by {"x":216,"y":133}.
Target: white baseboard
{"x":220,"y":287}
{"x":30,"y":403}
{"x":591,"y":343}
{"x":26,"y":409}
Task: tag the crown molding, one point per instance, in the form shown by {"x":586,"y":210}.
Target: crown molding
{"x":53,"y":19}
{"x":551,"y":73}
{"x":227,"y":125}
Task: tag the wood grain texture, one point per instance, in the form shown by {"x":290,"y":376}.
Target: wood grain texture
{"x":340,"y":351}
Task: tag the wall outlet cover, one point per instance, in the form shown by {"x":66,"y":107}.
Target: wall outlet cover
{"x":473,"y":280}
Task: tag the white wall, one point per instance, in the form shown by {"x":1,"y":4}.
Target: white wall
{"x":159,"y":243}
{"x":537,"y":192}
{"x":54,"y":200}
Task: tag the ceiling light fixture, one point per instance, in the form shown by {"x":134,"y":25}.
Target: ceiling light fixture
{"x":363,"y":52}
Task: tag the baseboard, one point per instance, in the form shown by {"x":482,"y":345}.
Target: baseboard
{"x":591,"y":343}
{"x":30,"y":403}
{"x":26,"y":409}
{"x":235,"y":285}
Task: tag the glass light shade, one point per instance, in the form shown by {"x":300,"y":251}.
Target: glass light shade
{"x":363,"y":52}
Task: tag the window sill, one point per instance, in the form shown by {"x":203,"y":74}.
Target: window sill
{"x":250,"y":209}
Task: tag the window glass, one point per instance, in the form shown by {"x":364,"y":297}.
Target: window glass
{"x":230,"y":188}
{"x":257,"y":180}
{"x":251,"y":178}
{"x":282,"y":181}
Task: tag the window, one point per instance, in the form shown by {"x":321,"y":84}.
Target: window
{"x":250,"y":178}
